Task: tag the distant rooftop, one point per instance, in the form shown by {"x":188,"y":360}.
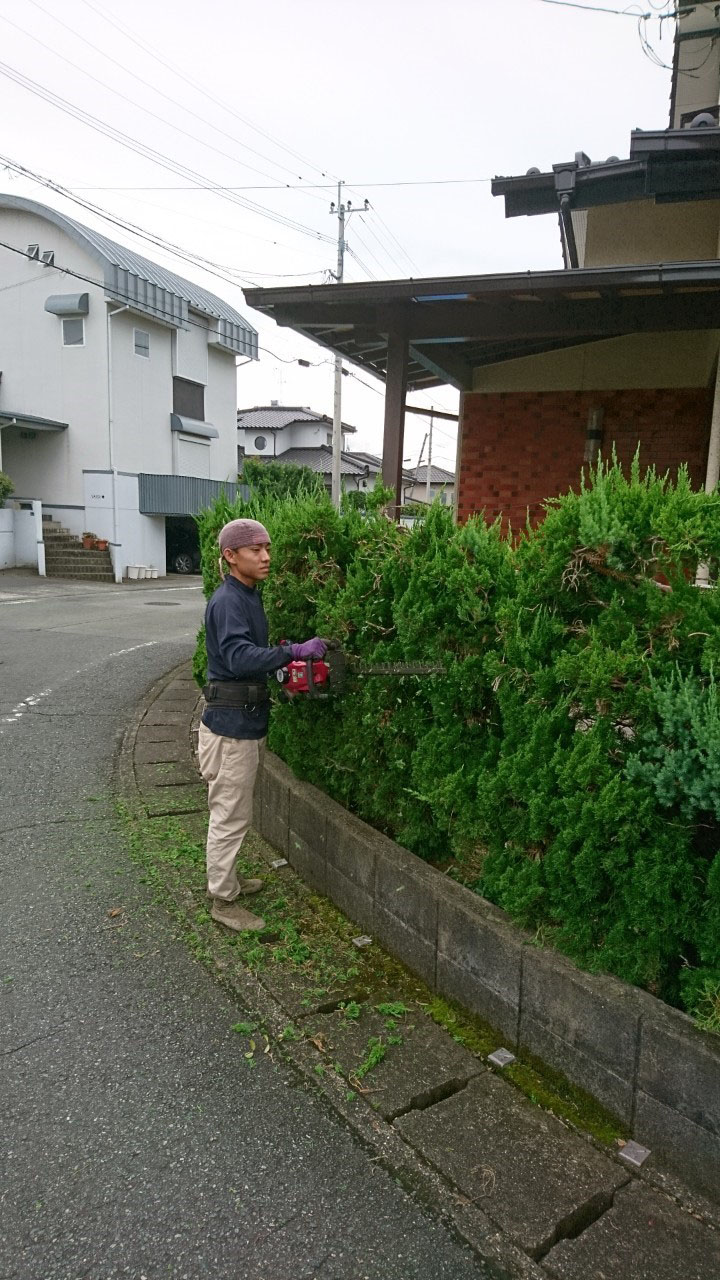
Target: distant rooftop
{"x":146,"y":286}
{"x":275,"y":417}
{"x":438,"y":475}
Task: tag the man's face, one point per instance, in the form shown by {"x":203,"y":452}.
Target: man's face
{"x":250,"y":564}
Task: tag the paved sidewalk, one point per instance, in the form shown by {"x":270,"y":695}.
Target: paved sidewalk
{"x":528,"y":1190}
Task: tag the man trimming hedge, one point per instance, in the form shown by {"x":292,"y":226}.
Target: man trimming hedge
{"x":235,"y":720}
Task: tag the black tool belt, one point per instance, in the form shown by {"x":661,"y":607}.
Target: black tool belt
{"x":234,"y":693}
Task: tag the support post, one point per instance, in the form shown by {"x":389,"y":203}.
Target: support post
{"x":394,"y":432}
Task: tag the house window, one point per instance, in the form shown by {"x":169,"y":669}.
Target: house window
{"x":260,"y":443}
{"x":189,"y":399}
{"x":73,"y":331}
{"x":142,"y":343}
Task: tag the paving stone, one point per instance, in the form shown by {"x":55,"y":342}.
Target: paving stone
{"x":159,"y":752}
{"x":156,"y":716}
{"x":163,"y":733}
{"x":297,"y":995}
{"x":427,"y":1065}
{"x":165,"y":773}
{"x":643,"y":1236}
{"x":184,"y":799}
{"x":521,"y":1166}
{"x":185,"y":705}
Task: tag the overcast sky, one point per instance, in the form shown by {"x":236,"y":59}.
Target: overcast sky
{"x":415,"y":104}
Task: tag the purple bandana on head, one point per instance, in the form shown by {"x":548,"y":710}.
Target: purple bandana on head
{"x":242,"y":533}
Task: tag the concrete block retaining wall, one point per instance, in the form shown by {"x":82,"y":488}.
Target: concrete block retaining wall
{"x":644,"y":1061}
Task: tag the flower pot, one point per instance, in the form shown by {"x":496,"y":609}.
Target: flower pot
{"x":101,"y":544}
{"x":88,"y":543}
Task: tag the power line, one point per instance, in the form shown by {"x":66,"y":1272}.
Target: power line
{"x":311,"y":186}
{"x":149,"y":153}
{"x":594,"y":8}
{"x":151,"y":52}
{"x":231,"y":275}
{"x":174,"y":101}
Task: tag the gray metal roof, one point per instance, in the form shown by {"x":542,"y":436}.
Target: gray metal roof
{"x":274,"y":417}
{"x":145,"y":286}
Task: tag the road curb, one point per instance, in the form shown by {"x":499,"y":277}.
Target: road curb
{"x":428,"y":1188}
{"x":428,"y":1184}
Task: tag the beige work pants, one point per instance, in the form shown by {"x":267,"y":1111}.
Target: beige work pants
{"x":229,"y":766}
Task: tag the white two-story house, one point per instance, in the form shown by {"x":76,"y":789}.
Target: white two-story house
{"x":118,"y":386}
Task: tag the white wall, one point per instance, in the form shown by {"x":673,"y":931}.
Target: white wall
{"x":7,"y":538}
{"x":140,"y":538}
{"x":142,"y":396}
{"x":41,"y":376}
{"x":303,"y":435}
{"x":221,"y":411}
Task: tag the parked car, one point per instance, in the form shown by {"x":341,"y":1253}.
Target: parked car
{"x":182,"y":545}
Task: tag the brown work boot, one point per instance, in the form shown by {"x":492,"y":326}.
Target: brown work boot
{"x":235,"y":917}
{"x":250,"y":886}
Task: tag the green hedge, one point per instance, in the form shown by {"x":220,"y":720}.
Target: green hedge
{"x":567,"y":763}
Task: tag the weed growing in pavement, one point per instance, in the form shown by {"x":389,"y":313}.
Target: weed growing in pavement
{"x":393,"y":1008}
{"x":351,"y":1010}
{"x":376,"y":1051}
{"x":314,"y":941}
{"x":244,"y":1028}
{"x":707,"y":1008}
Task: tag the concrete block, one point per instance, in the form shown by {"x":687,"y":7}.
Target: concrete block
{"x":307,"y":814}
{"x":520,"y":1165}
{"x":277,"y":780}
{"x":585,"y":1025}
{"x":686,"y":1148}
{"x":456,"y":983}
{"x":479,"y":957}
{"x":258,"y":815}
{"x":156,"y":716}
{"x":425,"y":1066}
{"x":643,"y":1235}
{"x":159,"y":752}
{"x":169,"y":800}
{"x":350,"y":897}
{"x":307,"y":860}
{"x":407,"y":888}
{"x":351,"y":848}
{"x":412,"y":948}
{"x":165,"y":773}
{"x":679,"y":1066}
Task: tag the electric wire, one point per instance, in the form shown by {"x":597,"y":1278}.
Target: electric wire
{"x":150,"y":153}
{"x":231,"y":275}
{"x":174,"y":101}
{"x":151,"y":52}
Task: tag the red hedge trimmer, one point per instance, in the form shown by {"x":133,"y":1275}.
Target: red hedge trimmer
{"x":321,"y":677}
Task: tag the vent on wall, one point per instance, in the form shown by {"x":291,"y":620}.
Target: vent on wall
{"x":33,"y":251}
{"x":48,"y":258}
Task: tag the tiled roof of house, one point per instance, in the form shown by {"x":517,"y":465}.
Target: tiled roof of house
{"x":318,"y":460}
{"x":274,"y":417}
{"x":437,"y":475}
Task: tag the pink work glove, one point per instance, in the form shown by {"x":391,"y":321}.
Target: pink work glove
{"x":314,"y":648}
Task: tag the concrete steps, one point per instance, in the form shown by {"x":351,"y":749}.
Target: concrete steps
{"x":65,"y":556}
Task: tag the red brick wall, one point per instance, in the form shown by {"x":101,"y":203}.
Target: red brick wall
{"x":519,"y":448}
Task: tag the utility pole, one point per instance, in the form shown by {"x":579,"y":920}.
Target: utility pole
{"x":341,"y":211}
{"x":429,"y":462}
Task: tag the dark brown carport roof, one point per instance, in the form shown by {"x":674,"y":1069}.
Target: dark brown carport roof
{"x":456,"y":323}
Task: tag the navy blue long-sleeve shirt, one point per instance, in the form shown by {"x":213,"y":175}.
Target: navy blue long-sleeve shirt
{"x":236,"y":637}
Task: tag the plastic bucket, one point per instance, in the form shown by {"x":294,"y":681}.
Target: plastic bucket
{"x":133,"y":571}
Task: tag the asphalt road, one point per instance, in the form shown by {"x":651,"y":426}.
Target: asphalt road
{"x":134,"y":1140}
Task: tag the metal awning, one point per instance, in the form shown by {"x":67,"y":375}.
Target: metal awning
{"x":454,"y":324}
{"x":192,"y":427}
{"x":420,"y":333}
{"x":9,"y":418}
